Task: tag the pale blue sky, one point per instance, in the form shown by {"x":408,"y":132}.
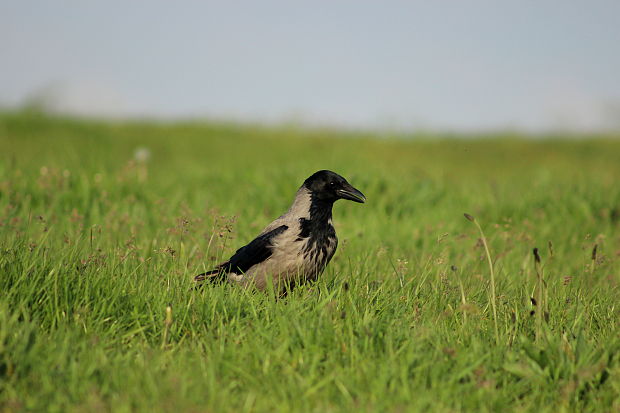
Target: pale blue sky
{"x":458,"y":65}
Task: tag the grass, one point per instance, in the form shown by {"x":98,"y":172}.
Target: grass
{"x":103,"y":225}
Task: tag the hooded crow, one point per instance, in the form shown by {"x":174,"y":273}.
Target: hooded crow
{"x":298,"y":245}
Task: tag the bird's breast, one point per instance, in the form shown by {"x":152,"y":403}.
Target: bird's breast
{"x":303,"y":251}
{"x":319,"y":245}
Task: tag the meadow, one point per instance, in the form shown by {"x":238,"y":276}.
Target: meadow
{"x":104,"y":224}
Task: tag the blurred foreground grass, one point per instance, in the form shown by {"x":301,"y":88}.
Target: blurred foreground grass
{"x":103,"y":225}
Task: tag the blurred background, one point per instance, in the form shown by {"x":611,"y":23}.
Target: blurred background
{"x":529,"y":66}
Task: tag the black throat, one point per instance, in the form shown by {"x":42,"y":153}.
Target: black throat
{"x":319,"y":233}
{"x":318,"y":227}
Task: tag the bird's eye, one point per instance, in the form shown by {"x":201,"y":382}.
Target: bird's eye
{"x":332,"y":183}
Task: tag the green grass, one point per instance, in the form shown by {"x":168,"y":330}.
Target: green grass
{"x":94,"y":245}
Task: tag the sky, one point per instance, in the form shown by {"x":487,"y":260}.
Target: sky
{"x":432,"y":65}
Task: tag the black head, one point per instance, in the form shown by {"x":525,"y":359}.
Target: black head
{"x":329,"y":186}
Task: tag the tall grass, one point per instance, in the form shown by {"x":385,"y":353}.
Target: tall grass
{"x":104,"y":225}
{"x":492,"y":295}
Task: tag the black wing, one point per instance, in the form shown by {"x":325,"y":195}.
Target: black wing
{"x":246,"y":257}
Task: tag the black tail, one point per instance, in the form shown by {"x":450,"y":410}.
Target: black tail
{"x":216,"y":275}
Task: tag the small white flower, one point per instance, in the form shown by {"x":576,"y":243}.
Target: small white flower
{"x":142,"y":154}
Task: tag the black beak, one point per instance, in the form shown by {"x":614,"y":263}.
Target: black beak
{"x":350,"y":193}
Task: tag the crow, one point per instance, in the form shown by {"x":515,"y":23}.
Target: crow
{"x":298,"y":245}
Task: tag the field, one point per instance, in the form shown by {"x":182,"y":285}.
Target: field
{"x":104,"y":225}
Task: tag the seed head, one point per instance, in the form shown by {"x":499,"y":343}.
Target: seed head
{"x":168,"y":320}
